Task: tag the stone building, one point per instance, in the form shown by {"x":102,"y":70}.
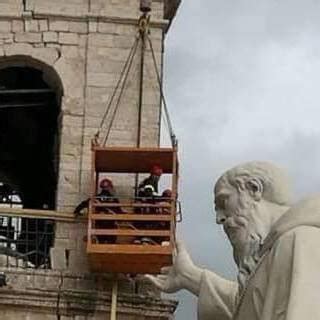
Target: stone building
{"x":60,"y":61}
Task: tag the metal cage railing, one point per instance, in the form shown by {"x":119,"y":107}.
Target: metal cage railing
{"x":25,"y":242}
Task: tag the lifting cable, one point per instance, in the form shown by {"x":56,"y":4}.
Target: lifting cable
{"x":160,"y":83}
{"x":125,"y":67}
{"x":126,"y":74}
{"x":142,"y":35}
{"x":166,"y":117}
{"x":143,"y":30}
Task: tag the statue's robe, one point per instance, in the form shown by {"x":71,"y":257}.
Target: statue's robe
{"x":285,"y":284}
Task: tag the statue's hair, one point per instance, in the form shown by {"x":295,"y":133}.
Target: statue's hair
{"x":275,"y":182}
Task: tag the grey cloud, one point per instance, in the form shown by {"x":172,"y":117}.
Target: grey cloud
{"x":242,"y":83}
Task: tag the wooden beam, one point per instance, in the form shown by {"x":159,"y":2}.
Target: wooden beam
{"x":136,"y":249}
{"x":134,"y":205}
{"x":130,"y":217}
{"x":130,"y":232}
{"x":40,"y":214}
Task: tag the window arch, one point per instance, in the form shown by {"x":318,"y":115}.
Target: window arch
{"x":30,"y":107}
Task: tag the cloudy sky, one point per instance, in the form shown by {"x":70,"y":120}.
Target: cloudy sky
{"x":242,"y":83}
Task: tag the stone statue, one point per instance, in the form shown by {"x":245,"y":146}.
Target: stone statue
{"x":275,"y":248}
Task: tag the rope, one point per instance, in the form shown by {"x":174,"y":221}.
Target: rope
{"x":121,"y":91}
{"x":172,"y":134}
{"x":142,"y":34}
{"x":133,"y":49}
{"x":155,"y":89}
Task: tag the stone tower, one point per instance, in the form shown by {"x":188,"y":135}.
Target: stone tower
{"x":60,"y":61}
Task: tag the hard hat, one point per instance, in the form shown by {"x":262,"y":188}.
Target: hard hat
{"x":156,"y":170}
{"x":149,"y":187}
{"x":106,"y":184}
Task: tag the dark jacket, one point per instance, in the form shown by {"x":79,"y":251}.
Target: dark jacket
{"x":104,"y":196}
{"x":151,"y":180}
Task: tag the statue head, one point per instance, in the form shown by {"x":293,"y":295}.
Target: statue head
{"x":249,"y":198}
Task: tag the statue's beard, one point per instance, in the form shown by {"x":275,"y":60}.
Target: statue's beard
{"x":247,"y":258}
{"x":244,"y":238}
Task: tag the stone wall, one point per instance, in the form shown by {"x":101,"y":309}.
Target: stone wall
{"x":86,"y":43}
{"x":70,"y":290}
{"x":66,"y":296}
{"x":82,"y":45}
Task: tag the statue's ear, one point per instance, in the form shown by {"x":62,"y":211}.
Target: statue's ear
{"x":255,"y":188}
{"x":240,"y":184}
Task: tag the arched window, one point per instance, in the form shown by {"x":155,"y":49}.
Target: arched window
{"x":30,"y":99}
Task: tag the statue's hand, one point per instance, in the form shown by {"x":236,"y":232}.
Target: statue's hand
{"x":183,"y":274}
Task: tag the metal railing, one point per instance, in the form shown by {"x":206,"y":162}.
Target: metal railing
{"x":25,"y":242}
{"x":140,"y":219}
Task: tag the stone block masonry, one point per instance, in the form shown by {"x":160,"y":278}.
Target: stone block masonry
{"x":85,"y":43}
{"x":36,"y":294}
{"x":87,"y":47}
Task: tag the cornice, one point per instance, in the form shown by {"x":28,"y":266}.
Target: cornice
{"x":171,"y":8}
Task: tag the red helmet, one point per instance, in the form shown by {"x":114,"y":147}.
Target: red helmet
{"x":156,"y":170}
{"x":106,"y":184}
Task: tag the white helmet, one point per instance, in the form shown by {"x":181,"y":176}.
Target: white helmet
{"x":149,"y":187}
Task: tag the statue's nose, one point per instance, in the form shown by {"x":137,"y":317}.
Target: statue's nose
{"x":220,"y":217}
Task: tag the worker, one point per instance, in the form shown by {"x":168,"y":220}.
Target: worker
{"x":106,"y":195}
{"x":165,"y":199}
{"x":147,"y":196}
{"x":153,"y":180}
{"x":166,"y":195}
